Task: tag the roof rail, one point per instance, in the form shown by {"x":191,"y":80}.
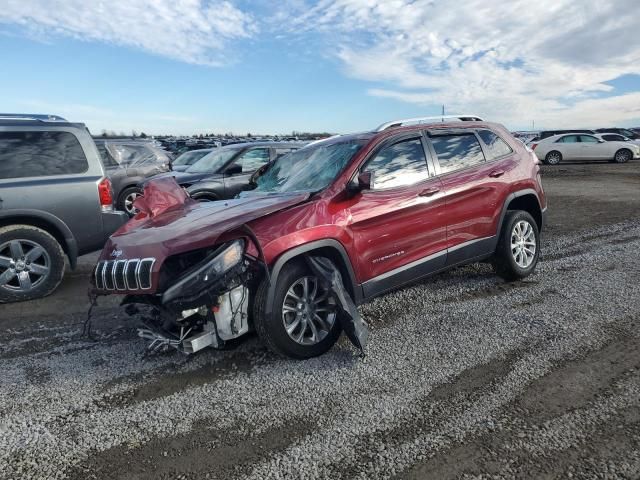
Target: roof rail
{"x":419,"y":120}
{"x":31,"y":117}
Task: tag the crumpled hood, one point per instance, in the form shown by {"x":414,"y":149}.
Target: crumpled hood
{"x":189,"y":226}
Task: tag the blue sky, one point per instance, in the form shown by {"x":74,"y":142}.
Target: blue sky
{"x":185,"y":66}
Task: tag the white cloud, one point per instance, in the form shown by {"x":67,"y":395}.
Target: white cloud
{"x":193,"y":31}
{"x":510,"y":61}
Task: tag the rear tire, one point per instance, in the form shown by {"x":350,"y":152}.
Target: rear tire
{"x":553,"y":158}
{"x":272,"y":330}
{"x":31,"y":263}
{"x":126,"y":199}
{"x":623,"y":156}
{"x":518,"y":248}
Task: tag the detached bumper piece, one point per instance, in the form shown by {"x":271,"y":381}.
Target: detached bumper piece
{"x":350,"y":320}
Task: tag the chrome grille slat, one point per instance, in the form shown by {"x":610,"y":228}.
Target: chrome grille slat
{"x":98,"y":276}
{"x":143,"y":273}
{"x":107,"y":275}
{"x":118,"y":275}
{"x":122,"y":275}
{"x":130,"y":274}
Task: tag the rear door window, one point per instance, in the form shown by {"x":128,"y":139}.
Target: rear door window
{"x":569,"y":139}
{"x":588,"y":139}
{"x":401,"y":164}
{"x":496,"y":147}
{"x":253,"y":159}
{"x":40,"y":154}
{"x":282,"y":151}
{"x":457,"y":151}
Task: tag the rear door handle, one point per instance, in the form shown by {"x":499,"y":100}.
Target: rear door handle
{"x":429,"y":192}
{"x":496,"y":173}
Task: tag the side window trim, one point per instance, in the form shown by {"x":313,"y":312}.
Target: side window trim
{"x":452,"y":131}
{"x":388,"y":142}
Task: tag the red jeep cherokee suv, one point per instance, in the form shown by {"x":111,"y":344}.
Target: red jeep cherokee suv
{"x":378,"y":209}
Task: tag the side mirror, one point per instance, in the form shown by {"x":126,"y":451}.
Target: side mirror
{"x":253,"y":181}
{"x":233,"y":169}
{"x":363,"y":182}
{"x":600,"y":141}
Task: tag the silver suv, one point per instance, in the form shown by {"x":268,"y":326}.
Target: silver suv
{"x":55,"y":202}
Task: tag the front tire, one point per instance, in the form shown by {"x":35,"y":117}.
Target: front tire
{"x":303,"y":323}
{"x":553,"y":158}
{"x":623,"y":156}
{"x":518,"y":248}
{"x":31,"y":263}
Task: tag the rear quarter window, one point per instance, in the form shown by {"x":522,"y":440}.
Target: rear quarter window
{"x":39,"y":154}
{"x":496,"y":147}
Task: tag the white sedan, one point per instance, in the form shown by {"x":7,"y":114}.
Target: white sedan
{"x":581,"y":146}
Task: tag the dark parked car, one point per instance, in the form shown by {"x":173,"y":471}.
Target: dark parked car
{"x":226,"y":171}
{"x":128,"y":163}
{"x":625,"y":132}
{"x":188,"y":158}
{"x":55,"y":201}
{"x":329,"y":226}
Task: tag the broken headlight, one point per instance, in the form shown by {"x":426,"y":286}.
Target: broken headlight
{"x":206,"y":273}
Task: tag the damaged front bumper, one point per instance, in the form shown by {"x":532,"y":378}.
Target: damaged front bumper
{"x":206,"y":306}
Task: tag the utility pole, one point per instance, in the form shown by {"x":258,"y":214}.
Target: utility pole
{"x":442,"y":119}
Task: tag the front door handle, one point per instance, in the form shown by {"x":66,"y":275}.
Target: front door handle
{"x":496,"y":173}
{"x":429,"y":192}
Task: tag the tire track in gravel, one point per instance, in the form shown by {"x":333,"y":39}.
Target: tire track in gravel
{"x":565,"y":390}
{"x":208,"y":453}
{"x":60,"y":423}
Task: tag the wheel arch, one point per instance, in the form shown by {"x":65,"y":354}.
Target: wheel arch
{"x":623,"y":149}
{"x":329,"y":248}
{"x":47,"y":222}
{"x":198,"y":194}
{"x":526,"y":200}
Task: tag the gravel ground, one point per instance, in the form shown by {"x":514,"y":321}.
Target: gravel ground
{"x":465,"y":376}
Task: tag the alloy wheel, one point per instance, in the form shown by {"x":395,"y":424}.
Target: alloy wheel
{"x":622,"y":156}
{"x":308,"y":311}
{"x":128,"y":203}
{"x":23,"y":265}
{"x":553,"y":158}
{"x":523,"y":244}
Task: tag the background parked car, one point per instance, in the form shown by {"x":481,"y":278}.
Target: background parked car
{"x":550,"y":133}
{"x":614,"y":137}
{"x":188,"y":158}
{"x":577,"y":146}
{"x":128,"y":163}
{"x":226,"y":171}
{"x":627,"y":132}
{"x":55,"y":201}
